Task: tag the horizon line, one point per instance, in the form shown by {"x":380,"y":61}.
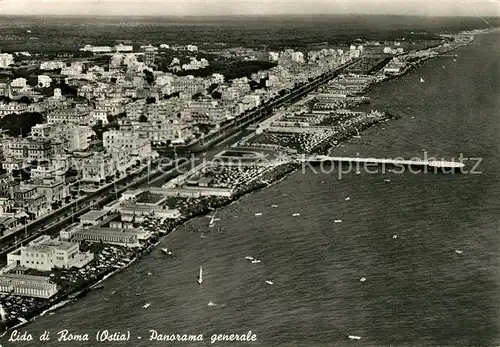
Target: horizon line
{"x":245,"y":15}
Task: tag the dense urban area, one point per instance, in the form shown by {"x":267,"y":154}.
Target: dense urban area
{"x":84,"y":188}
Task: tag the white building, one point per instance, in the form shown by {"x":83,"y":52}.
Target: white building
{"x":52,"y":65}
{"x":6,"y":59}
{"x":192,"y":48}
{"x":44,"y":254}
{"x":18,"y":82}
{"x":127,"y":142}
{"x":44,"y":81}
{"x":79,"y":138}
{"x":96,"y":49}
{"x":297,"y":57}
{"x":217,"y":78}
{"x":97,"y":167}
{"x":27,"y":285}
{"x":274,"y":56}
{"x":123,"y":48}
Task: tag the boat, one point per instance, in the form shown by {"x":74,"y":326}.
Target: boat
{"x":387,"y":180}
{"x":296,"y":214}
{"x":357,"y":136}
{"x":270,"y":282}
{"x":255,"y":261}
{"x":394,"y":236}
{"x":203,"y":236}
{"x":357,"y":172}
{"x":274,"y":205}
{"x":337,"y":221}
{"x":457,"y":251}
{"x":149,"y":273}
{"x":354,"y":337}
{"x":212,"y":220}
{"x":421,"y":80}
{"x":200,"y":276}
{"x":211,"y":304}
{"x":347,"y":199}
{"x":248,"y":257}
{"x":146,"y":305}
{"x":362,"y":279}
{"x":258,"y":214}
{"x":166,"y":251}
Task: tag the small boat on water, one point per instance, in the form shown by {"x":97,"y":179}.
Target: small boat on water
{"x":296,"y":214}
{"x":149,"y":273}
{"x":421,"y":80}
{"x":255,"y":261}
{"x":357,"y":136}
{"x":146,"y":305}
{"x":347,"y":199}
{"x":354,"y":337}
{"x":387,"y":180}
{"x":258,"y":214}
{"x":211,"y":304}
{"x":166,"y":251}
{"x":203,"y":236}
{"x":212,"y":220}
{"x":200,"y":276}
{"x":274,"y":206}
{"x":394,"y":236}
{"x":269,"y":282}
{"x":249,"y":257}
{"x":362,"y":279}
{"x":457,"y":251}
{"x":337,"y":221}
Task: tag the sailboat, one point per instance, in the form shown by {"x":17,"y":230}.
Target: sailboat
{"x":212,"y":220}
{"x":357,"y":136}
{"x":421,"y":80}
{"x":200,"y":276}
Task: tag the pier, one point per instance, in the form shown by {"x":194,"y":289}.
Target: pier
{"x":438,"y":164}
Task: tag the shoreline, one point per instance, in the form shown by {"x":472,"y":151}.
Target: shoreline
{"x":278,"y":173}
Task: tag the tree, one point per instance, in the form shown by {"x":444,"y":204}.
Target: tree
{"x":216,"y":95}
{"x":143,"y":119}
{"x":212,"y":87}
{"x":148,"y":76}
{"x":196,"y":96}
{"x":20,"y":124}
{"x":150,"y":100}
{"x":25,"y":100}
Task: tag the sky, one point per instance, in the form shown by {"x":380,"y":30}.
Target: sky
{"x":249,"y":7}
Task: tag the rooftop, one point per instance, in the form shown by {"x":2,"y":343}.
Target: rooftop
{"x":93,"y":215}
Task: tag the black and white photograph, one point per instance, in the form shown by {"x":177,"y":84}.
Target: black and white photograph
{"x":258,"y":173}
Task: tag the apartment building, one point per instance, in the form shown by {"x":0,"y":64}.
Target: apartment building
{"x":28,"y":148}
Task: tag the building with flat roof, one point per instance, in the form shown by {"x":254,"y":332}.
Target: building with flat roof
{"x":131,"y":211}
{"x":44,"y":254}
{"x":119,"y":237}
{"x":27,"y":285}
{"x":94,"y":217}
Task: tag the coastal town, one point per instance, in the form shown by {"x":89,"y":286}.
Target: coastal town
{"x":85,"y":189}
